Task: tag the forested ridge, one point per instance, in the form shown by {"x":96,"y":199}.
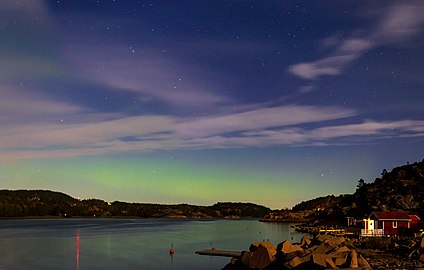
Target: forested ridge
{"x":401,"y":189}
{"x":40,"y":203}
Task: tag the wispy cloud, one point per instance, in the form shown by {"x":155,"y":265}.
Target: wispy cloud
{"x":332,"y":65}
{"x":28,"y":46}
{"x":397,"y":24}
{"x":260,"y":127}
{"x":18,"y":106}
{"x":261,"y":118}
{"x":150,"y":73}
{"x":31,"y":120}
{"x":34,"y":6}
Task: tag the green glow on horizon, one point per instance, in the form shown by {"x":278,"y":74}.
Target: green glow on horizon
{"x":154,"y":179}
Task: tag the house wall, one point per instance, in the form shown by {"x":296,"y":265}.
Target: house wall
{"x":414,"y":225}
{"x":388,"y":227}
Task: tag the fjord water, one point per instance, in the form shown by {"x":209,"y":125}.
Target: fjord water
{"x":80,"y":244}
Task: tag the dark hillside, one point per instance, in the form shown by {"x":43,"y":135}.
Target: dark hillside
{"x":19,"y":203}
{"x":25,"y":203}
{"x":400,"y":189}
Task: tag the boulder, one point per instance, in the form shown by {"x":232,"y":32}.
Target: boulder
{"x":362,"y":263}
{"x":333,"y":239}
{"x":325,"y":253}
{"x":324,"y":247}
{"x":340,"y":250}
{"x":319,"y":260}
{"x":330,"y":264}
{"x":305,"y":241}
{"x":298,"y":262}
{"x":291,"y":255}
{"x":267,"y":245}
{"x":353,"y":256}
{"x":340,"y":255}
{"x":263,"y":255}
{"x":287,"y":247}
{"x":341,"y":259}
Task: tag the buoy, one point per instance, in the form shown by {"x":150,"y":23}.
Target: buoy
{"x":172,"y":251}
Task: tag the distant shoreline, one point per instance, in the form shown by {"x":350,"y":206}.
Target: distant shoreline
{"x":124,"y":217}
{"x":282,"y":220}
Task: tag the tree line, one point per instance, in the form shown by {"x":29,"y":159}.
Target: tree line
{"x":37,"y":203}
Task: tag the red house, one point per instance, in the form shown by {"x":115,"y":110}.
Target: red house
{"x":390,"y":222}
{"x":414,"y":224}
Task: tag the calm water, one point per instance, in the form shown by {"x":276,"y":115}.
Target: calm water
{"x":80,"y":244}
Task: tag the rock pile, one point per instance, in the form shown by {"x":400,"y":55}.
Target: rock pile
{"x":322,"y":252}
{"x":420,"y":252}
{"x":397,"y":254}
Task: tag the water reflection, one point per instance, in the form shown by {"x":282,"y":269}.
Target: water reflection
{"x":128,"y":244}
{"x":77,"y":247}
{"x":171,"y":253}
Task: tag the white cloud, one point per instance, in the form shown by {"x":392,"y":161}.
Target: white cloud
{"x":332,"y":65}
{"x":147,"y":72}
{"x":18,"y":106}
{"x":398,"y":23}
{"x":33,"y":6}
{"x":256,"y":127}
{"x":262,"y":118}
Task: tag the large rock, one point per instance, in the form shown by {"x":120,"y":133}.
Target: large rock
{"x":297,"y":262}
{"x":324,"y":248}
{"x":362,"y":263}
{"x":330,"y":264}
{"x":268,"y":245}
{"x":305,"y":241}
{"x":328,"y":238}
{"x":325,"y":252}
{"x":287,"y":247}
{"x":340,"y":250}
{"x":341,"y":258}
{"x":319,"y":260}
{"x":340,"y":255}
{"x":262,"y":254}
{"x":353,"y":256}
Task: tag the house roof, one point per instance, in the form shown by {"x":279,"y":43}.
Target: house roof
{"x":390,"y":215}
{"x":414,"y":218}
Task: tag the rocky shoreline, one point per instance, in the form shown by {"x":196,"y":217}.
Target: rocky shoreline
{"x":331,"y":252}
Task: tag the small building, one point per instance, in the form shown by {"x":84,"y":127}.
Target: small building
{"x":385,"y":223}
{"x":414,"y":224}
{"x":381,"y":223}
{"x":370,"y":228}
{"x":353,"y":222}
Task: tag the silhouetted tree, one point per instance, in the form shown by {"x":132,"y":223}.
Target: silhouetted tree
{"x":361,"y":184}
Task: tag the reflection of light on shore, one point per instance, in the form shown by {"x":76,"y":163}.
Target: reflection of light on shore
{"x":172,"y":257}
{"x":77,"y":247}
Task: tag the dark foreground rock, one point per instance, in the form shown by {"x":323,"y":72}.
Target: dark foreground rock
{"x":328,"y":252}
{"x":322,"y":252}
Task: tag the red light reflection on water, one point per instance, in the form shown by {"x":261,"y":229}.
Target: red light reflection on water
{"x":77,"y":247}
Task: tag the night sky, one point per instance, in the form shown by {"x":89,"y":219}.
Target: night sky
{"x":270,"y":102}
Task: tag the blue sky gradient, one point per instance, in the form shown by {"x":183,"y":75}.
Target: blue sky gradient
{"x":204,"y":101}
